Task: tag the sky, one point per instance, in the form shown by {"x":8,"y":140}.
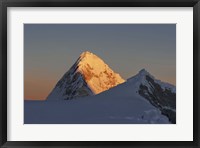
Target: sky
{"x":51,"y":49}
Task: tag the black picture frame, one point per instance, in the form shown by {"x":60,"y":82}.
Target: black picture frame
{"x":4,"y":4}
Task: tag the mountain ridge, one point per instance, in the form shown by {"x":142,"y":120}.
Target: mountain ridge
{"x":102,"y":96}
{"x":143,"y":85}
{"x":128,"y":102}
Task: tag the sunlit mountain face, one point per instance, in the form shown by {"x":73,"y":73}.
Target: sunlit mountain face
{"x":89,"y":75}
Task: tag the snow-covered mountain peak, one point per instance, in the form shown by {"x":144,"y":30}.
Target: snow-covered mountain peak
{"x":93,"y":62}
{"x":97,"y":74}
{"x":88,"y":76}
{"x":160,"y":94}
{"x":85,"y":53}
{"x":140,"y":77}
{"x":143,"y":72}
{"x":145,"y":78}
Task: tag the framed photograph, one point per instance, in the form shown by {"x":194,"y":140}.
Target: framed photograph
{"x":100,"y":73}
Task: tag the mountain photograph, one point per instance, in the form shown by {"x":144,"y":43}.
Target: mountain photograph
{"x":127,"y":75}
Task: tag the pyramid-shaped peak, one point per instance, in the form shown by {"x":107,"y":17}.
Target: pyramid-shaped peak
{"x":140,"y":76}
{"x":89,"y":75}
{"x":91,"y":59}
{"x":86,"y":53}
{"x":143,"y":72}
